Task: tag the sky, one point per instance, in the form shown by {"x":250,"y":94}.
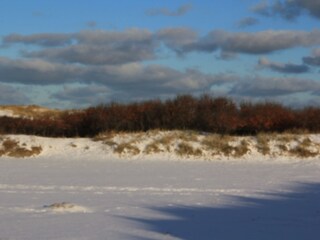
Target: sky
{"x":80,"y":53}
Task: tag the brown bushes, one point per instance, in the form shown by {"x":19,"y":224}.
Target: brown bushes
{"x":216,"y":115}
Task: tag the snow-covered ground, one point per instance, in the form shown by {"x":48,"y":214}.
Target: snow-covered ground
{"x":77,"y":189}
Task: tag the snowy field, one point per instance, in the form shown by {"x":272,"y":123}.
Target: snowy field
{"x":74,"y":197}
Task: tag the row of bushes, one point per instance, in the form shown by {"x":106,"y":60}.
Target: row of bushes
{"x":218,"y":115}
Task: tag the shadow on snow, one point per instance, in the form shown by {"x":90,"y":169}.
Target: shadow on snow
{"x":293,"y":214}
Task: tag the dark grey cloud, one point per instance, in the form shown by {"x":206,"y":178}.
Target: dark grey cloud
{"x":182,"y":10}
{"x":288,"y":9}
{"x":313,"y":60}
{"x":125,"y":77}
{"x":102,"y":47}
{"x":135,"y":83}
{"x":84,"y":95}
{"x":256,"y":42}
{"x":43,"y":39}
{"x":283,"y":67}
{"x":261,"y":87}
{"x":247,"y":22}
{"x":12,"y":95}
{"x":134,"y":45}
{"x":103,"y":37}
{"x":37,"y":71}
{"x":177,"y":39}
{"x":96,"y":55}
{"x":112,"y":47}
{"x":150,"y":78}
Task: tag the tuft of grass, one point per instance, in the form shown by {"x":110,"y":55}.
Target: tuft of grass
{"x":73,"y":145}
{"x":286,"y":137}
{"x":283,"y":147}
{"x":9,"y":144}
{"x":187,"y":136}
{"x":242,"y":149}
{"x":263,"y":143}
{"x":110,"y":143}
{"x":218,"y":144}
{"x":300,"y":151}
{"x":20,"y":152}
{"x":306,"y":142}
{"x":104,"y":136}
{"x":152,"y":148}
{"x":11,"y":148}
{"x":165,"y":141}
{"x":126,"y":148}
{"x":185,"y":149}
{"x":303,"y":149}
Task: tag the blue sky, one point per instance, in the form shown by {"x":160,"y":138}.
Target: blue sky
{"x":73,"y":54}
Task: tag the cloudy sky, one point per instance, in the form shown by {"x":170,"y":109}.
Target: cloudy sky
{"x":78,"y":53}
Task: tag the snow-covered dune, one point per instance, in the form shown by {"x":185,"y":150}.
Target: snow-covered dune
{"x":169,"y":145}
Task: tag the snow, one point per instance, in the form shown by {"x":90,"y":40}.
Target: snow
{"x":79,"y":189}
{"x":7,"y":113}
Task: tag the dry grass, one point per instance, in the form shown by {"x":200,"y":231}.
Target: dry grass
{"x":126,"y":148}
{"x":263,"y":143}
{"x":73,"y":145}
{"x":302,"y":149}
{"x":286,"y":137}
{"x":218,"y":144}
{"x":110,"y":143}
{"x":10,"y":144}
{"x":187,"y":136}
{"x":185,"y":149}
{"x":32,"y":111}
{"x":152,"y":148}
{"x":23,"y":152}
{"x":166,"y":139}
{"x":164,"y":142}
{"x":104,"y":136}
{"x":242,"y":149}
{"x":282,"y":147}
{"x":12,"y":148}
{"x":191,"y":143}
